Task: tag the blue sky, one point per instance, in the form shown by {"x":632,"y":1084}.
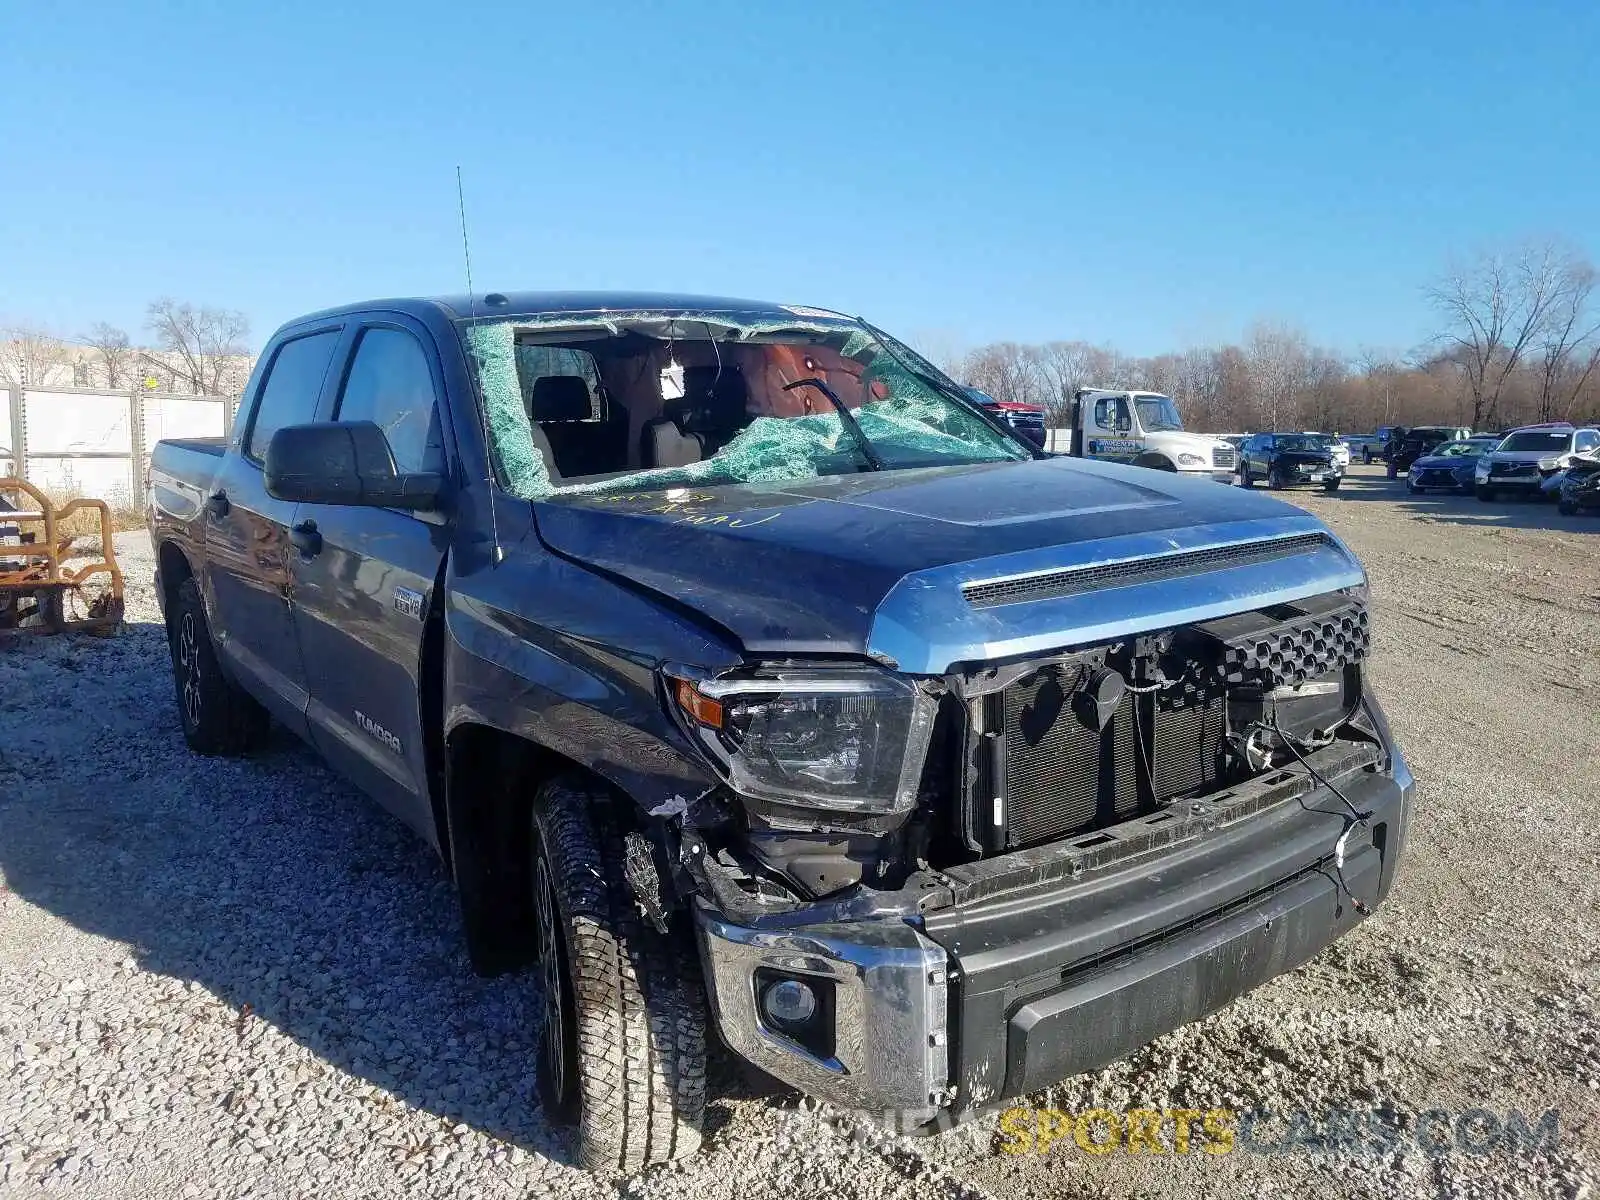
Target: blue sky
{"x":1150,"y":175}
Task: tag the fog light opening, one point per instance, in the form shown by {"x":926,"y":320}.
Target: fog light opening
{"x":789,"y":1003}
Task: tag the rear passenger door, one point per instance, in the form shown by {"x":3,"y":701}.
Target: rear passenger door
{"x":248,"y":555}
{"x":362,"y":598}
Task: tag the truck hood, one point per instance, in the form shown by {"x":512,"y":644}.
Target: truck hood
{"x":1195,"y":443}
{"x":927,"y":568}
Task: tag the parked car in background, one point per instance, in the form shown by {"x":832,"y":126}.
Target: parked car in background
{"x":1027,"y":420}
{"x":1364,"y":446}
{"x":1375,"y":445}
{"x":1580,"y":487}
{"x":1530,"y":455}
{"x":1450,"y":467}
{"x":1418,"y":441}
{"x":1283,"y":460}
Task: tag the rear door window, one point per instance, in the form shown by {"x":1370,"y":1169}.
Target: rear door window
{"x":293,"y":383}
{"x":391,"y":384}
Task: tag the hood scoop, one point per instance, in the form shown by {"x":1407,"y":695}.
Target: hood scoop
{"x":1072,"y":581}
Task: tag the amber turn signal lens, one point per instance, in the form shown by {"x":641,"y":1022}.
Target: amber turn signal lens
{"x":703,"y":709}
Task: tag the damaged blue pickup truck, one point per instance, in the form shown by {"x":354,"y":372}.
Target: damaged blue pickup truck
{"x":755,"y":683}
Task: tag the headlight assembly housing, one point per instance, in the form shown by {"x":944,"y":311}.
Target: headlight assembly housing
{"x":851,"y":740}
{"x":1191,"y":460}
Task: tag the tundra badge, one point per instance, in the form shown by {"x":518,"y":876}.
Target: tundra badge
{"x":408,"y":603}
{"x":372,"y":729}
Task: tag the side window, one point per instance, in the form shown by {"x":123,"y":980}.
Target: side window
{"x":1107,"y":410}
{"x":289,"y":395}
{"x":390,"y":383}
{"x":1588,"y":439}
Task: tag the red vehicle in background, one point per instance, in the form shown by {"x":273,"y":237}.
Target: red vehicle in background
{"x":1026,"y":419}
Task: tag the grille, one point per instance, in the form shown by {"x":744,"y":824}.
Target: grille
{"x":1436,"y":477}
{"x":1074,"y":581}
{"x":1512,"y":468}
{"x":1223,"y":456}
{"x":1293,"y":651}
{"x":1063,"y":777}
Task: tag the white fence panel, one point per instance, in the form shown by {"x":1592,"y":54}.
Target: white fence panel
{"x":78,"y":422}
{"x":107,"y":479}
{"x":85,"y":442}
{"x":180,"y":417}
{"x":7,"y":463}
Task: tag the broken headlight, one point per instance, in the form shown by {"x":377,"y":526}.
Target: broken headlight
{"x":852,"y":740}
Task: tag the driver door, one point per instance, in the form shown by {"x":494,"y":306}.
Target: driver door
{"x":1110,"y":425}
{"x":365,"y":594}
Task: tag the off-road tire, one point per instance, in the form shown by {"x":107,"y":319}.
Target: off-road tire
{"x":219,"y":717}
{"x":633,"y":1011}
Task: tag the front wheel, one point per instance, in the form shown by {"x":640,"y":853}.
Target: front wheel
{"x":1331,"y":485}
{"x":1412,"y":488}
{"x":1245,"y":478}
{"x":1486,"y":494}
{"x":218,"y":716}
{"x":622,"y":1049}
{"x":1275,"y":480}
{"x":1566,"y":508}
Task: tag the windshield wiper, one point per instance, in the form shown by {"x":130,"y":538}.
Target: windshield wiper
{"x":846,"y":418}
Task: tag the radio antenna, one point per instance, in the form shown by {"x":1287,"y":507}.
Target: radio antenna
{"x":495,"y":553}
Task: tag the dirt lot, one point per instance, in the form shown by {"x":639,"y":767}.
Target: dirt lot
{"x":232,"y":978}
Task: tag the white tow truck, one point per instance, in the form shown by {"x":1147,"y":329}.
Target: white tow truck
{"x":1144,"y":429}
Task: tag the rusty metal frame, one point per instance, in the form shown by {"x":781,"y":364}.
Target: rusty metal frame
{"x":42,"y":573}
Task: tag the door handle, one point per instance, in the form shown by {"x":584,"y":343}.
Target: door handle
{"x":306,"y":539}
{"x":217,"y":503}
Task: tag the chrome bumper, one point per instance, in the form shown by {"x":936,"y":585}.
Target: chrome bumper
{"x":890,"y":1009}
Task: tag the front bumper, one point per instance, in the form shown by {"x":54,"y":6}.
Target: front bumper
{"x":1034,"y":974}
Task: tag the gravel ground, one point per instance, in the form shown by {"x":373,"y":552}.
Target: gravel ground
{"x":240,"y":978}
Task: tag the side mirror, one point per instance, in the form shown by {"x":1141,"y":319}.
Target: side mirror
{"x":343,"y":462}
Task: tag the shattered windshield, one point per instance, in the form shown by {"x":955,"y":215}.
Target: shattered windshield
{"x":1529,"y":440}
{"x":594,"y":403}
{"x":1304,"y":441}
{"x":1158,"y":414}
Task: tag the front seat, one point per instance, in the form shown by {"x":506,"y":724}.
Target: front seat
{"x":713,"y":408}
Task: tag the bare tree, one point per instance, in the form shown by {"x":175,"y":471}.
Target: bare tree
{"x":205,"y":343}
{"x":1497,"y":308}
{"x":1007,"y":371}
{"x":1279,"y":364}
{"x":113,"y":351}
{"x":29,"y":357}
{"x":1567,"y":338}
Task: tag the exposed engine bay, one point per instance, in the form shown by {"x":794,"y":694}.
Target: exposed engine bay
{"x":1064,"y":751}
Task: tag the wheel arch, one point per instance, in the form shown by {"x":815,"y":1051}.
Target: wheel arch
{"x":490,"y":776}
{"x":1155,"y":461}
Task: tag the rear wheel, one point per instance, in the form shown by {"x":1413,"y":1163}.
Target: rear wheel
{"x":622,"y":1050}
{"x":1390,"y":470}
{"x":218,"y":716}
